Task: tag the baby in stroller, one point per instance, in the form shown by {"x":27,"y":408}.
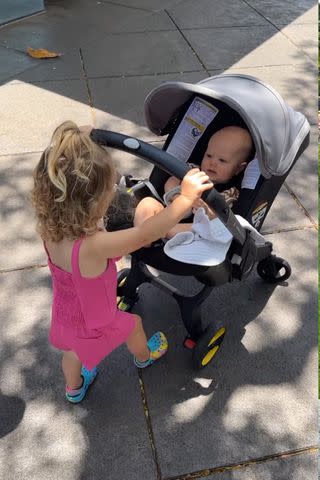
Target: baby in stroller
{"x":191,"y":115}
{"x":228,"y":152}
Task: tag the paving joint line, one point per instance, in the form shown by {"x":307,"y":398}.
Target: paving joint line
{"x":3,"y":45}
{"x":25,"y":17}
{"x":149,"y":426}
{"x":90,"y":99}
{"x":139,"y":75}
{"x":305,"y":211}
{"x":188,"y":43}
{"x":247,"y":463}
{"x":20,"y":153}
{"x":141,"y":8}
{"x":289,"y":229}
{"x":18,"y":269}
{"x":127,"y":6}
{"x":280,"y":30}
{"x":140,"y":32}
{"x":225,"y":27}
{"x":128,"y":75}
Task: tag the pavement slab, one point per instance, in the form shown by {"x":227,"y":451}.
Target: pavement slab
{"x":303,"y":97}
{"x":24,"y":104}
{"x":246,"y":47}
{"x":296,"y":204}
{"x":258,"y":397}
{"x":154,"y":52}
{"x":284,"y":214}
{"x":17,"y":9}
{"x":61,"y":30}
{"x":305,"y":37}
{"x":284,"y":13}
{"x":13,"y":63}
{"x":104,"y":435}
{"x":17,"y":221}
{"x":213,"y":13}
{"x":119,"y":102}
{"x":66,"y":67}
{"x":303,"y":180}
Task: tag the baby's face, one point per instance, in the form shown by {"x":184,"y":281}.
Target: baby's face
{"x":223,"y":159}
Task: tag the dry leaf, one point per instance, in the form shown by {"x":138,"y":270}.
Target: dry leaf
{"x":42,"y":53}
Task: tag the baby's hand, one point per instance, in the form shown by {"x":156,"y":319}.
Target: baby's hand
{"x":200,"y":203}
{"x":194,"y":183}
{"x":171,"y":183}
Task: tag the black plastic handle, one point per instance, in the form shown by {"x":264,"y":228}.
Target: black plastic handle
{"x":137,"y":147}
{"x":174,"y":167}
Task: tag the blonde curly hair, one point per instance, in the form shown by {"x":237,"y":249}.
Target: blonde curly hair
{"x":73,"y":185}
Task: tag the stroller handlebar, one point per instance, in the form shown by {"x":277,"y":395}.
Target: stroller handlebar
{"x":148,"y":152}
{"x":173,"y":166}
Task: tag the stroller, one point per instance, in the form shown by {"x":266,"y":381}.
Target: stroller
{"x":189,"y":114}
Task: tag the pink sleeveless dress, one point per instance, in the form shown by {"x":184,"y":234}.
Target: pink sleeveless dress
{"x":85,"y":317}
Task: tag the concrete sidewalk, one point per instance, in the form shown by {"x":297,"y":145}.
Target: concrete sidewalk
{"x":252,"y":413}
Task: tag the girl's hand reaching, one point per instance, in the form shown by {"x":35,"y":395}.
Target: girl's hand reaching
{"x":194,"y":183}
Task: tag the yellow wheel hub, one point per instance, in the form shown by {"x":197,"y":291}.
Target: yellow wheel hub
{"x":123,"y":281}
{"x":212,"y":351}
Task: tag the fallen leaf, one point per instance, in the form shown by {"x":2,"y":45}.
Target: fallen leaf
{"x":42,"y":53}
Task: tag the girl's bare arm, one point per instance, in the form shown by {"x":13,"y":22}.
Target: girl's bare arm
{"x":113,"y":244}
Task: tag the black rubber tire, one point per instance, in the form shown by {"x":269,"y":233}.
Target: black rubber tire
{"x":269,"y":269}
{"x":121,"y":276}
{"x":205,"y":351}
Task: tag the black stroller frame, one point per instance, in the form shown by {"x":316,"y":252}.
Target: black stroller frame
{"x":253,"y":205}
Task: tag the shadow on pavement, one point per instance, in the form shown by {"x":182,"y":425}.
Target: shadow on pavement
{"x":12,"y":409}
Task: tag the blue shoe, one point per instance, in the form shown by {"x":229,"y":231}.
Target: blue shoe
{"x":77,"y":395}
{"x":158,"y":346}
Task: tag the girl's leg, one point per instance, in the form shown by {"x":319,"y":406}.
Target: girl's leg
{"x":71,"y":367}
{"x":137,"y":341}
{"x":146,"y":208}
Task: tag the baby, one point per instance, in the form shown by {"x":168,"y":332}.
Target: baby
{"x":227,"y":154}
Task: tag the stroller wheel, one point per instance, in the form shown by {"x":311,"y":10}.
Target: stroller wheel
{"x":121,"y":280}
{"x":125,"y":304}
{"x":207,"y":346}
{"x":274,"y":269}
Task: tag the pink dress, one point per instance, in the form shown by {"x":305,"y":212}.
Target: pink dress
{"x":85,"y":317}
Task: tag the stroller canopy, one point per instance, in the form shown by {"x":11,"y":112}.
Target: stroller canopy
{"x":277,"y":130}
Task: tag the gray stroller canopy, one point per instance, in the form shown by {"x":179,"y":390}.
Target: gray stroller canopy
{"x":277,"y":130}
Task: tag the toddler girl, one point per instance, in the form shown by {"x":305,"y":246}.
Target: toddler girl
{"x":73,"y":187}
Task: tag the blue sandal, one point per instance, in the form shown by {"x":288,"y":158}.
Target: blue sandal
{"x":158,"y":346}
{"x":78,"y":394}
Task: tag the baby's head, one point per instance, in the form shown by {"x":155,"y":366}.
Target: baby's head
{"x":73,"y":185}
{"x":227,"y":154}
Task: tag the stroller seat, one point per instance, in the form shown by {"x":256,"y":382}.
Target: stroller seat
{"x":189,"y":115}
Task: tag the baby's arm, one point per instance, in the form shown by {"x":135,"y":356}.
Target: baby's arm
{"x":171,"y":183}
